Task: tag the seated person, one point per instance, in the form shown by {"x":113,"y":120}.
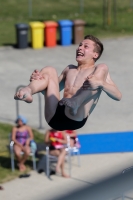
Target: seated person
{"x":72,"y":134}
{"x":57,"y":141}
{"x":21,"y":135}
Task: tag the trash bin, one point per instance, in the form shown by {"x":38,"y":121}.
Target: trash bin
{"x":65,"y":32}
{"x":78,"y":31}
{"x":22,"y":35}
{"x":37,"y":34}
{"x":50,"y":33}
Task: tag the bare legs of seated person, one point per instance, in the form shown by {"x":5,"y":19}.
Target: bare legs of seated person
{"x":60,"y":153}
{"x":21,"y":158}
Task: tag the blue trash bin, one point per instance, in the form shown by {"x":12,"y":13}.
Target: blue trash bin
{"x":65,"y":32}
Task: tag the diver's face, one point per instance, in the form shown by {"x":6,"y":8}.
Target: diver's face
{"x":86,"y":51}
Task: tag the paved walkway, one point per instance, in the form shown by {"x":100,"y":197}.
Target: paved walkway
{"x":94,"y":169}
{"x":17,"y":65}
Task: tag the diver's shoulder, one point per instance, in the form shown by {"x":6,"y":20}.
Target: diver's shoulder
{"x":71,"y":66}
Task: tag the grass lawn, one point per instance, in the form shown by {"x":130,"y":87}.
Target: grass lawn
{"x":5,"y":163}
{"x":14,"y":11}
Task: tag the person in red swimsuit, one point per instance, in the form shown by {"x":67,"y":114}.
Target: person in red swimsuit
{"x":57,"y":141}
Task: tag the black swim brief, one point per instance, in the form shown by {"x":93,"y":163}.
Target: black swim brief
{"x":61,"y":122}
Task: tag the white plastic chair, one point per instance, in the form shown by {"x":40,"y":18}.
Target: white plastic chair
{"x":54,"y":159}
{"x":49,"y":159}
{"x":73,"y":151}
{"x":32,"y":154}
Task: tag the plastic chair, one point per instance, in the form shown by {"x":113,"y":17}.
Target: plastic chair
{"x":49,"y":158}
{"x":73,"y":151}
{"x":32,"y":154}
{"x":53,"y":159}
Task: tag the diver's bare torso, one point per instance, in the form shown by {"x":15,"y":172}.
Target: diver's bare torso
{"x":74,"y":79}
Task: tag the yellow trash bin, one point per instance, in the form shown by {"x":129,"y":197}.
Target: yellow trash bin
{"x":37,"y":34}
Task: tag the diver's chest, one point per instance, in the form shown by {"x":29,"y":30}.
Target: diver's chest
{"x":77,"y":78}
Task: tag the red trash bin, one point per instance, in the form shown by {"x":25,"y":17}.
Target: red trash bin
{"x":50,"y":33}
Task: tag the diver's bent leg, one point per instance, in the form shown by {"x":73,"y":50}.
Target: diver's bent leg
{"x":25,"y":94}
{"x":48,"y":74}
{"x":52,"y":95}
{"x":77,"y":100}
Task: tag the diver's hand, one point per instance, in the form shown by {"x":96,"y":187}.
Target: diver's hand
{"x":35,"y":75}
{"x":92,"y":83}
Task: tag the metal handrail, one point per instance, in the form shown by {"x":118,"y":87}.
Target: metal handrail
{"x":39,"y":100}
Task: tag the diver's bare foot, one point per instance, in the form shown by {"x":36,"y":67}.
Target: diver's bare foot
{"x":24,"y":94}
{"x":70,"y":103}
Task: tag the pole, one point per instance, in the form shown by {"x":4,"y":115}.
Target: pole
{"x":40,"y":113}
{"x":109,"y":12}
{"x":17,"y":102}
{"x":115,"y":12}
{"x":30,"y":8}
{"x":131,"y":4}
{"x":39,"y":102}
{"x":81,"y":6}
{"x":104,"y":13}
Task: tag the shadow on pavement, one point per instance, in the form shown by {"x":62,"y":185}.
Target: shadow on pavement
{"x":108,"y":189}
{"x":5,"y":162}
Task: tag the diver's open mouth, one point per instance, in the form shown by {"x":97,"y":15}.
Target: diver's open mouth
{"x":80,"y":54}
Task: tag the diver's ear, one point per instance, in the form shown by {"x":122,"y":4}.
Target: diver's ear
{"x":95,"y":55}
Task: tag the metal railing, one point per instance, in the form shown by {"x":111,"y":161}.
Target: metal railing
{"x":39,"y":105}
